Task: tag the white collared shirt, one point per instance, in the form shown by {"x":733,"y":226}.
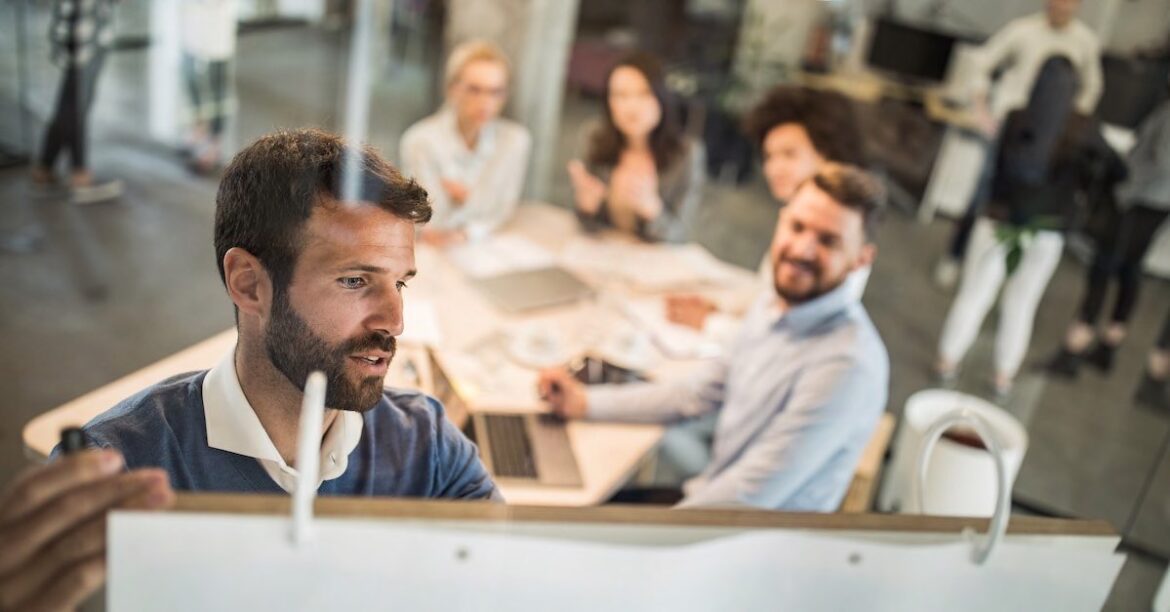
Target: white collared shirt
{"x":493,"y":171}
{"x":232,"y":426}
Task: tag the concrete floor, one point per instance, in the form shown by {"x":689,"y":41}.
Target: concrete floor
{"x":92,"y":293}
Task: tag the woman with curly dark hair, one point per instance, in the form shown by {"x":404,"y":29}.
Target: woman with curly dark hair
{"x":640,"y":174}
{"x":797,"y":130}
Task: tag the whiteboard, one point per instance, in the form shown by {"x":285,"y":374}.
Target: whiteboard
{"x":203,"y":561}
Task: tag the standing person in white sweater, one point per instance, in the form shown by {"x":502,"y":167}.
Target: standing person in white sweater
{"x":471,"y":161}
{"x":1019,"y":49}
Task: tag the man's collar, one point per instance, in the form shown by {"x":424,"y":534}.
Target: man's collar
{"x":232,"y":424}
{"x":806,"y":316}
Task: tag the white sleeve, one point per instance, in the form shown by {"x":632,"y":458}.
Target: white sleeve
{"x":660,"y":402}
{"x":419,"y":162}
{"x":998,"y":49}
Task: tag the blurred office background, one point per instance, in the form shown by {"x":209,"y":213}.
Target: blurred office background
{"x":88,"y":294}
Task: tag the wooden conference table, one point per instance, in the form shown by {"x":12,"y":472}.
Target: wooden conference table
{"x":470,"y":338}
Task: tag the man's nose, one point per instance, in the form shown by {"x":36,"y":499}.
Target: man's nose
{"x":387,"y":316}
{"x":804,"y":246}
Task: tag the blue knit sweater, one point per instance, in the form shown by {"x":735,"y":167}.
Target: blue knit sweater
{"x":407,"y":449}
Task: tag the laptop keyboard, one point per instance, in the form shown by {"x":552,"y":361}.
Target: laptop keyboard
{"x":510,"y":446}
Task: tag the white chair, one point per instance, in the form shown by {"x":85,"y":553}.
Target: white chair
{"x":961,"y":477}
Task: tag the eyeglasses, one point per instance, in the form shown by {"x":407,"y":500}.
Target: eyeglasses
{"x":490,"y":92}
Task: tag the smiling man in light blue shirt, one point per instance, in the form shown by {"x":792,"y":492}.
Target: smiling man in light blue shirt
{"x":806,"y":380}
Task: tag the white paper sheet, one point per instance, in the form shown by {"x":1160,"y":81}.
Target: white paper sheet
{"x":657,"y":267}
{"x":498,"y":255}
{"x":181,"y":562}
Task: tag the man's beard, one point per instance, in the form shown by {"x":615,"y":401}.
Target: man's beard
{"x":817,"y":288}
{"x":296,"y":351}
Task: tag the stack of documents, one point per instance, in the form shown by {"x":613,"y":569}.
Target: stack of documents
{"x":650,"y":267}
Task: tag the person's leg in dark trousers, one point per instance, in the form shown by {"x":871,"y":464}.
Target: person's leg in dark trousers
{"x":1110,"y":238}
{"x":1139,"y":227}
{"x":1153,"y":390}
{"x":1097,"y":278}
{"x":64,"y":118}
{"x":1143,"y":225}
{"x":1119,"y":255}
{"x":217,"y":79}
{"x":85,"y":187}
{"x":1083,"y":330}
{"x":70,"y":125}
{"x":79,"y":147}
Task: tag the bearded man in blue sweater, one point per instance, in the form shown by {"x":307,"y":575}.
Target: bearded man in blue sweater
{"x":315,"y":244}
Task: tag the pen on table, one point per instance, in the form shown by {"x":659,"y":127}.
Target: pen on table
{"x":554,"y":388}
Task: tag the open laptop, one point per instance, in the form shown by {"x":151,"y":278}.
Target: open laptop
{"x":527,"y":448}
{"x":531,"y":289}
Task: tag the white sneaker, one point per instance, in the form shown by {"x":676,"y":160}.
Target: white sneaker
{"x":98,"y":191}
{"x":946,"y":273}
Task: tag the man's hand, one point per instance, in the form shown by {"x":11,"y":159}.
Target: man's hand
{"x":689,"y":310}
{"x":53,"y":527}
{"x":588,"y":190}
{"x":564,"y":394}
{"x":456,"y":191}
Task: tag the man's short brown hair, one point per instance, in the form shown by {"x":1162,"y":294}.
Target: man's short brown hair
{"x":269,"y":190}
{"x":855,"y":189}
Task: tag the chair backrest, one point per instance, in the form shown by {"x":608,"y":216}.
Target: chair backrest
{"x":863,"y":488}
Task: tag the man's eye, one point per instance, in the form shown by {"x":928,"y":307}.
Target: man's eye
{"x":401,"y":285}
{"x":352,"y":282}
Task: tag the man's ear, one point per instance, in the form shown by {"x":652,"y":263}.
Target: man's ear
{"x":867,"y":255}
{"x":247,"y":281}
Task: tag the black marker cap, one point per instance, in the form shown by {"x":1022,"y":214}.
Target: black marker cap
{"x":72,"y":440}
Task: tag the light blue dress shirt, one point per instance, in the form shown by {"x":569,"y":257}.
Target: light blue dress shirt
{"x":799,"y":395}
